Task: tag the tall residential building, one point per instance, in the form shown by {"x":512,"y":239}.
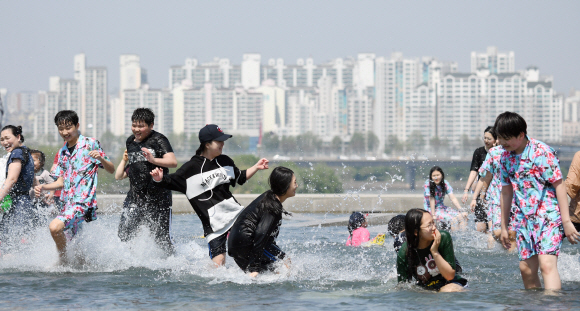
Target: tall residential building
{"x":493,"y":61}
{"x":219,"y":72}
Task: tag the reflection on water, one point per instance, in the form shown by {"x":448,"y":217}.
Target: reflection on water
{"x":325,"y":274}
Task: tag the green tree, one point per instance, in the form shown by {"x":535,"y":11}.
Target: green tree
{"x":372,"y":141}
{"x":288,"y":145}
{"x":320,"y":179}
{"x":336,"y":145}
{"x":308,"y":143}
{"x":394,"y":145}
{"x":357,"y":143}
{"x":415,"y":141}
{"x":238,"y":144}
{"x":270,"y":142}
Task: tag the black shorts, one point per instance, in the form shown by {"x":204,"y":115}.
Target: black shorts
{"x":480,"y":211}
{"x":265,"y":261}
{"x":217,"y":246}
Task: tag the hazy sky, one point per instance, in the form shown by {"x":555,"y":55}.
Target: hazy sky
{"x":38,"y":39}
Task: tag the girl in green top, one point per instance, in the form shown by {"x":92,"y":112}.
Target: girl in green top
{"x":428,"y":255}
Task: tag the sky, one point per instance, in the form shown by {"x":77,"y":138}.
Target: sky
{"x":38,"y":39}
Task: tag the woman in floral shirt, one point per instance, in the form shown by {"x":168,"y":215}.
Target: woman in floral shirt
{"x":436,"y":187}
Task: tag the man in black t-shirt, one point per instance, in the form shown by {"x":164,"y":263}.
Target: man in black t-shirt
{"x":146,"y":203}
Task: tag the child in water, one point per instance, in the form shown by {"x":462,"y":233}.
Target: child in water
{"x":436,"y":187}
{"x":357,"y":228}
{"x":396,"y":229}
{"x":42,"y":177}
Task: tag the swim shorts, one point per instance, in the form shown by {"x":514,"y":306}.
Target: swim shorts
{"x":480,"y":211}
{"x":217,"y":246}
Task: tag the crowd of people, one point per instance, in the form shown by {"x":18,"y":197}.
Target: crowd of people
{"x":519,"y":199}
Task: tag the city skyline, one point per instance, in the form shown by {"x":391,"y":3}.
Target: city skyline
{"x":41,"y":37}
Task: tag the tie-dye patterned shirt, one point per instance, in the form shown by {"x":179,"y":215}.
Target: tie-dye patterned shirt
{"x":532,"y":175}
{"x":79,"y":173}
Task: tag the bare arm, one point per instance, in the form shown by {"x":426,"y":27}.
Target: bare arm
{"x":470,"y":180}
{"x":169,"y":160}
{"x":120,"y":172}
{"x":59,"y":183}
{"x":261,"y":165}
{"x":455,"y":201}
{"x":507,"y":195}
{"x":432,"y":205}
{"x":481,"y":189}
{"x":108,"y":165}
{"x":13,"y":172}
{"x":569,"y":228}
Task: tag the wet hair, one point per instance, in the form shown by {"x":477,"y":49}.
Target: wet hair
{"x":143,"y":114}
{"x":490,"y":130}
{"x":279,"y":181}
{"x":41,"y":156}
{"x":510,"y":124}
{"x":412,"y":226}
{"x":433,"y":185}
{"x":396,"y":225}
{"x":355,"y":221}
{"x":16,"y":130}
{"x":66,"y":117}
{"x":202,"y":147}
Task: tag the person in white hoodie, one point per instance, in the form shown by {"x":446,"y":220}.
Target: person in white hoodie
{"x":206,"y":179}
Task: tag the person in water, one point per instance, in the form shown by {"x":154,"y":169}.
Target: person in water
{"x":252,"y":240}
{"x":489,"y":139}
{"x":488,"y":191}
{"x":436,"y":187}
{"x":206,"y":179}
{"x":78,"y":162}
{"x":396,"y":229}
{"x":19,"y":212}
{"x":531,"y":179}
{"x":146,"y":203}
{"x":428,"y":256}
{"x":357,"y":229}
{"x":42,"y":177}
{"x":573,"y":190}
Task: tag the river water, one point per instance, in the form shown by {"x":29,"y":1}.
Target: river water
{"x":325,"y":274}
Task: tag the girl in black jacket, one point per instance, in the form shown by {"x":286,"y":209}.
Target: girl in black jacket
{"x":252,"y":240}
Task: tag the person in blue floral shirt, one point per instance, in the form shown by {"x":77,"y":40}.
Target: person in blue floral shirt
{"x":436,"y":188}
{"x":78,"y":163}
{"x":489,"y":191}
{"x":531,"y":178}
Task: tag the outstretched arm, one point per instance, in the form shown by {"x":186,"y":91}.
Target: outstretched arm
{"x":168,"y":159}
{"x":261,"y":165}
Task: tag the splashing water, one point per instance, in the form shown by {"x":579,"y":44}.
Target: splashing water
{"x":106,"y":273}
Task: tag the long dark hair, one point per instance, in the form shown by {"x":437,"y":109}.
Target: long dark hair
{"x":433,"y":185}
{"x":412,"y":226}
{"x":202,"y":147}
{"x":279,"y":181}
{"x":16,"y":131}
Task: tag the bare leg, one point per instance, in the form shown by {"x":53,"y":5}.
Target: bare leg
{"x":219,"y":260}
{"x":549,"y":269}
{"x":481,"y":226}
{"x":450,"y":288}
{"x":56,"y":228}
{"x":254,"y":274}
{"x":529,"y":271}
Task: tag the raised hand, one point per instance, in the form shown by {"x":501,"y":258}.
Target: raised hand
{"x":148,"y":155}
{"x":125,"y":156}
{"x":262,"y":164}
{"x":157,"y":174}
{"x":95,"y":154}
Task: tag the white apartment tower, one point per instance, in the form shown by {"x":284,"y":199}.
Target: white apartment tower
{"x":494,"y":61}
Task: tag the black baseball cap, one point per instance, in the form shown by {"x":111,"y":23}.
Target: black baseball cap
{"x":212,"y":132}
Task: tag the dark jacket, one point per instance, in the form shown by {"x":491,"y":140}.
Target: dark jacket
{"x":256,"y":228}
{"x":207,"y":187}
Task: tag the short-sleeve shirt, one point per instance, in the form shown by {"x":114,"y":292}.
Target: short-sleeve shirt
{"x":532,"y":175}
{"x":79,"y":172}
{"x":439,"y":194}
{"x":478,"y":157}
{"x":138,"y":168}
{"x":359,"y":236}
{"x":491,"y":164}
{"x":427,"y":274}
{"x":26,"y":177}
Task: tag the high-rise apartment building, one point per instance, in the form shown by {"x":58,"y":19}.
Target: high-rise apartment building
{"x":493,"y":61}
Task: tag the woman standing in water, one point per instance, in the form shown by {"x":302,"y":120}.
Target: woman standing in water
{"x":19,"y":212}
{"x":436,"y":187}
{"x":479,"y":155}
{"x":428,"y":255}
{"x":252,"y":240}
